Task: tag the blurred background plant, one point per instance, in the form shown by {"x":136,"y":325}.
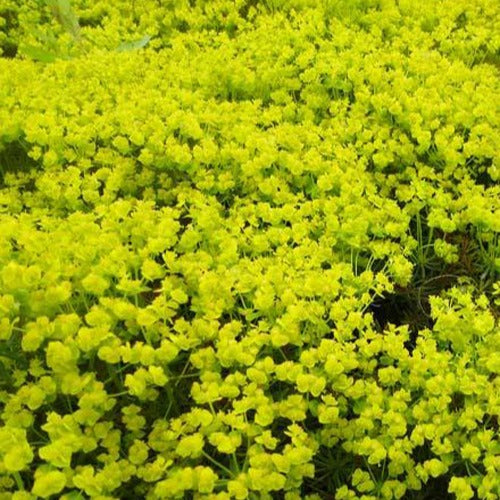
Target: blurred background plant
{"x":56,"y":32}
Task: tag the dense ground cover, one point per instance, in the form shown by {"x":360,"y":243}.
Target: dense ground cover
{"x":249,"y":249}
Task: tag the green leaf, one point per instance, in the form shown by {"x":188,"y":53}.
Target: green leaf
{"x":64,"y":13}
{"x":73,"y":495}
{"x":38,"y":54}
{"x":134,"y":45}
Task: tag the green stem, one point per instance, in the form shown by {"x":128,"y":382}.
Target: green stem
{"x":218,"y":464}
{"x":235,"y":463}
{"x":19,"y":481}
{"x":468,"y":470}
{"x":421,"y":256}
{"x":183,"y":373}
{"x":118,"y":394}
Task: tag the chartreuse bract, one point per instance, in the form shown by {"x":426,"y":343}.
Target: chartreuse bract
{"x":249,"y":249}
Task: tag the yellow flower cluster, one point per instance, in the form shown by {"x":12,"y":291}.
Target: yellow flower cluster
{"x":256,"y":257}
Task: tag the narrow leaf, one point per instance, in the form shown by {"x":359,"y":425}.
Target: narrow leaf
{"x":64,"y":13}
{"x":38,"y":54}
{"x":134,"y":45}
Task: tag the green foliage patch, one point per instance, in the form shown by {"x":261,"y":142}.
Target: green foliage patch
{"x":249,"y":249}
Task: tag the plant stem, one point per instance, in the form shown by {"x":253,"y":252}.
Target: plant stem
{"x":421,"y":256}
{"x":218,"y":464}
{"x":19,"y":481}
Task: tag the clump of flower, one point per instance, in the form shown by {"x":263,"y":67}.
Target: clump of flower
{"x":199,"y":239}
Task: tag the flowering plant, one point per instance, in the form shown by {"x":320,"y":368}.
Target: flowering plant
{"x":258,"y":258}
